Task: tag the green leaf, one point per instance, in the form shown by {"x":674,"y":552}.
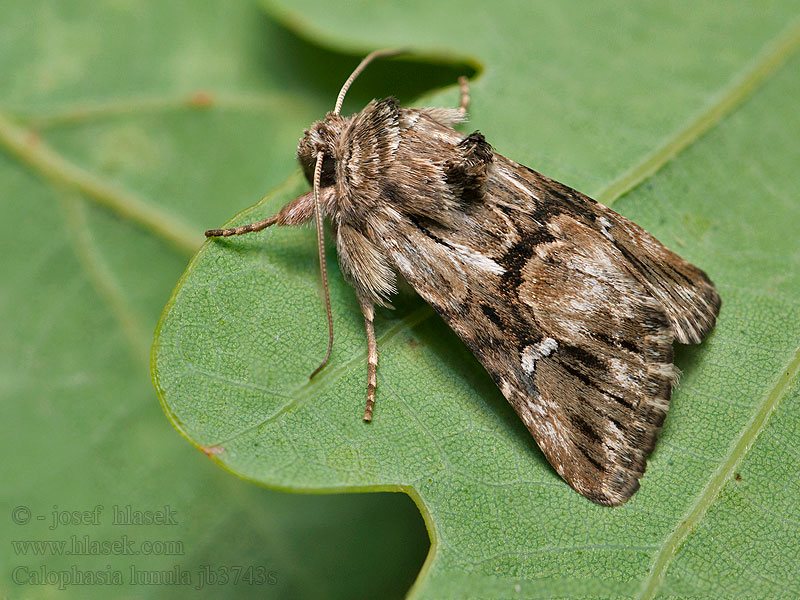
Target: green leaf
{"x":126,"y":129}
{"x":603,"y":98}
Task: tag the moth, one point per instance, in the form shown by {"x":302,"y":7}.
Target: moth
{"x":570,"y":307}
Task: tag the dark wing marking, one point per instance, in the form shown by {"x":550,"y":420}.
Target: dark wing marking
{"x":576,"y":336}
{"x":686,"y":293}
{"x":603,"y":368}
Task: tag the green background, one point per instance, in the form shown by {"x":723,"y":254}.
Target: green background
{"x":129,"y":127}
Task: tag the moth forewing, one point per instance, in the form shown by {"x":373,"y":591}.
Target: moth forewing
{"x":570,"y":307}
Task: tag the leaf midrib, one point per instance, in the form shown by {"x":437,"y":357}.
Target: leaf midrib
{"x":26,"y":146}
{"x":769,"y":60}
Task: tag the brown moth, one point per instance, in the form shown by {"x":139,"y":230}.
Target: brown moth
{"x":570,"y":307}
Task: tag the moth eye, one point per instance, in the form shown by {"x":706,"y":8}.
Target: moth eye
{"x":328,"y":175}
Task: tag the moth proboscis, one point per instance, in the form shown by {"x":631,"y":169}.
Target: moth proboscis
{"x":570,"y":307}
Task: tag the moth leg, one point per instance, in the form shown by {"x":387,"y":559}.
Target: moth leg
{"x":257,"y":226}
{"x":368,"y":309}
{"x":463,"y":83}
{"x":297,"y":212}
{"x":451,"y":116}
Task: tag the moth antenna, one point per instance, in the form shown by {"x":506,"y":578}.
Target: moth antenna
{"x":318,"y":205}
{"x":361,"y":66}
{"x":322,"y":266}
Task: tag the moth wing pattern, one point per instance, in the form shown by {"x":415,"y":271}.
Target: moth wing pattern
{"x":570,"y":307}
{"x":688,"y":297}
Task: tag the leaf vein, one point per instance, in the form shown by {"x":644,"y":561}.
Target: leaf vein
{"x":728,"y":466}
{"x":770,"y":59}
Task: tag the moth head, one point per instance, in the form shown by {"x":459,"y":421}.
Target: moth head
{"x":321,"y":137}
{"x":320,"y":140}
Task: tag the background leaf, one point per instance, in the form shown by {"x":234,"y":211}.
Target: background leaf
{"x":128,"y":127}
{"x":600,"y":98}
